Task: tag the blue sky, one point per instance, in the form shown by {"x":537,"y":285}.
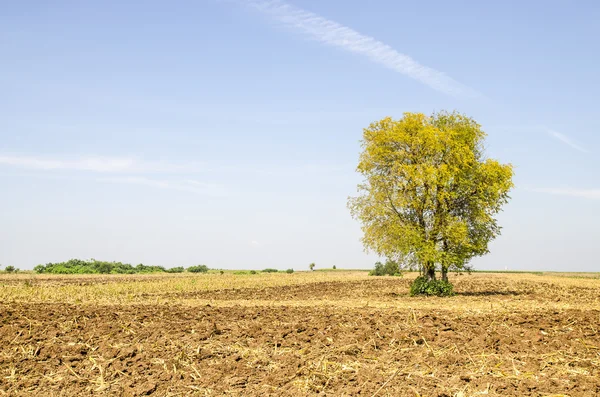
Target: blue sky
{"x":227,"y":132}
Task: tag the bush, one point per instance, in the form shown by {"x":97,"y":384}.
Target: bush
{"x":9,"y":269}
{"x":104,"y":268}
{"x":149,"y":269}
{"x":431,"y":288}
{"x":198,"y":269}
{"x":268,"y":270}
{"x":334,"y":267}
{"x":289,"y":271}
{"x":252,"y":271}
{"x":178,"y":269}
{"x":390,"y":268}
{"x":78,"y":266}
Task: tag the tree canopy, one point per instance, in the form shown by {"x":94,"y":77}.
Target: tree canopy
{"x":429,"y":195}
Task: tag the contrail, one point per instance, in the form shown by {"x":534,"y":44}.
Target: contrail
{"x":566,"y":140}
{"x":334,"y":34}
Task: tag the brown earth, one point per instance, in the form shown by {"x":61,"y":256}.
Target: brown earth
{"x":57,"y":349}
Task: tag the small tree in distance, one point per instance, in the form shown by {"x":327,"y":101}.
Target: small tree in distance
{"x":429,"y":196}
{"x":311,"y":266}
{"x":198,"y":269}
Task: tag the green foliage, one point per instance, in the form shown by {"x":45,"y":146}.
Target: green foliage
{"x":289,"y":271}
{"x":311,"y":266}
{"x":9,"y":269}
{"x":421,"y":286}
{"x":429,"y":196}
{"x":253,"y":272}
{"x":149,"y":269}
{"x":334,"y":267}
{"x":178,"y":269}
{"x":198,"y":269}
{"x":269,"y":270}
{"x":104,"y":267}
{"x":390,"y":268}
{"x":78,"y":266}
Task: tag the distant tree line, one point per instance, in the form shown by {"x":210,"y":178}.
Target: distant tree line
{"x":92,"y":266}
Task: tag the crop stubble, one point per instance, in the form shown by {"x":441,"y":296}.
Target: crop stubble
{"x":303,"y":334}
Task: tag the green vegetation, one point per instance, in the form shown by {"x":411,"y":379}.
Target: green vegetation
{"x":424,"y":286}
{"x":78,"y":266}
{"x":269,"y":270}
{"x":244,"y":272}
{"x":311,"y":267}
{"x":198,"y":269}
{"x":334,"y":267}
{"x":390,"y":268}
{"x":10,"y":269}
{"x":289,"y":271}
{"x":430,"y":195}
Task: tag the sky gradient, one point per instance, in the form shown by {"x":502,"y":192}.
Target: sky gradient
{"x":227,"y":132}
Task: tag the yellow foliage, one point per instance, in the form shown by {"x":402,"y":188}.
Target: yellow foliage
{"x":429,"y":195}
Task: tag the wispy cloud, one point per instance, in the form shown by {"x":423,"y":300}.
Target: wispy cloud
{"x":127,"y":169}
{"x":186,"y":185}
{"x":332,"y":33}
{"x":566,"y":140}
{"x":98,"y":164}
{"x":593,"y":194}
{"x":134,"y":165}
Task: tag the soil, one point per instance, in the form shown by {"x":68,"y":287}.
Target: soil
{"x":147,"y":349}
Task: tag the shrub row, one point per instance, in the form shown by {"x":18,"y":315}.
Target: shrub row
{"x":78,"y":266}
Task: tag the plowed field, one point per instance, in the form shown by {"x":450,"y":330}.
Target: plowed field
{"x":338,"y":333}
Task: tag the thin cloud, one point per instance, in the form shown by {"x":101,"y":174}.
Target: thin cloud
{"x":566,"y":140}
{"x":186,"y":185}
{"x":593,"y":194}
{"x":133,"y":165}
{"x":98,"y":164}
{"x":334,"y":34}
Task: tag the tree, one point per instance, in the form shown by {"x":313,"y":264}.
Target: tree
{"x":311,"y":266}
{"x":9,"y":269}
{"x":198,"y":269}
{"x":429,"y":195}
{"x":390,"y":268}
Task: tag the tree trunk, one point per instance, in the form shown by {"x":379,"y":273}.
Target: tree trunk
{"x":444,"y":273}
{"x":430,"y":271}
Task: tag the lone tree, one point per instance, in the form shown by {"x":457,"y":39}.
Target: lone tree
{"x":429,"y":194}
{"x":311,"y":266}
